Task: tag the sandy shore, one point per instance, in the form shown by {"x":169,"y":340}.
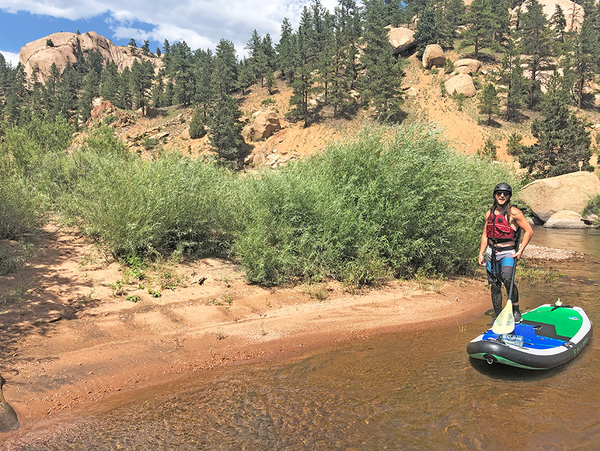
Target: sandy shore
{"x":76,"y":336}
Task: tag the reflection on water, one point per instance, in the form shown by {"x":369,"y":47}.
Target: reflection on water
{"x":404,"y":391}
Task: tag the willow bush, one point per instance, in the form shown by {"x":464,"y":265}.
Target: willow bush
{"x":143,"y":207}
{"x":388,"y":203}
{"x":26,"y":155}
{"x":392,"y":202}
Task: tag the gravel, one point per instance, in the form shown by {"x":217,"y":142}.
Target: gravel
{"x":549,"y":253}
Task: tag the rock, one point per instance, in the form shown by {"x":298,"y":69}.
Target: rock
{"x":8,"y":416}
{"x":573,"y":12}
{"x":544,"y":77}
{"x":37,"y":57}
{"x":565,"y":219}
{"x":160,"y":135}
{"x":401,"y":39}
{"x":566,"y":192}
{"x":266,"y":123}
{"x":412,"y":92}
{"x":461,"y":84}
{"x":467,"y":66}
{"x":433,"y":56}
{"x":100,"y":109}
{"x":317,"y":100}
{"x":463,"y":70}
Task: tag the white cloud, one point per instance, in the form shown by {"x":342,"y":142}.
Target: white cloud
{"x":12,"y":58}
{"x":201,"y":23}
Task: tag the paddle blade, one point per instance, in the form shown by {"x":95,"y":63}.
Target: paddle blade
{"x":505,"y":322}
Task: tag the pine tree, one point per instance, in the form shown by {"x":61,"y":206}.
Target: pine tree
{"x":109,"y":79}
{"x":558,"y":22}
{"x":205,"y":90}
{"x":348,"y":33}
{"x":342,"y":65}
{"x":125,"y":98}
{"x":380,"y":85}
{"x":489,"y":149}
{"x":585,"y":56}
{"x":50,"y":91}
{"x":146,"y":48}
{"x":500,"y":20}
{"x":456,"y":13}
{"x":142,"y":75}
{"x":169,"y":94}
{"x":197,"y":129}
{"x":270,"y":81}
{"x":489,"y":102}
{"x":158,"y":89}
{"x":91,"y":90}
{"x":511,"y":73}
{"x":562,"y":138}
{"x":246,"y":77}
{"x":480,"y":26}
{"x":182,"y":73}
{"x":68,"y":94}
{"x":303,"y":79}
{"x":285,"y":50}
{"x":224,"y":76}
{"x":225,"y":130}
{"x":536,"y":42}
{"x":427,"y":31}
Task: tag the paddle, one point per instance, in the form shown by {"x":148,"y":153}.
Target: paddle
{"x":505,"y":322}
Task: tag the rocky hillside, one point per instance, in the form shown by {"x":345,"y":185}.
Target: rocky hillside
{"x":459,"y":122}
{"x":270,"y":138}
{"x":60,"y":48}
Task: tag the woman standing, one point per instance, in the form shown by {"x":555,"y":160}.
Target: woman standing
{"x":498,"y":250}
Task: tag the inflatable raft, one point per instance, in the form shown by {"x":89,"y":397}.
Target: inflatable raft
{"x":547,"y":336}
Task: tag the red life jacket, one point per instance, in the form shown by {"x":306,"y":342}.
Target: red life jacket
{"x":498,"y":229}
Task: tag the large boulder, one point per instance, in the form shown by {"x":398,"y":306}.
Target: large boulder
{"x":433,"y":56}
{"x":401,"y":39}
{"x":266,"y":123}
{"x":565,"y":219}
{"x":461,"y":84}
{"x":573,"y":12}
{"x":467,"y":66}
{"x":38,"y":56}
{"x":566,"y":192}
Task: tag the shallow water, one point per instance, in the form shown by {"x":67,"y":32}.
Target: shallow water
{"x":402,"y":391}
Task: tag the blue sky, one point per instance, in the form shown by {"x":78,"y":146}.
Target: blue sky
{"x":201,"y":23}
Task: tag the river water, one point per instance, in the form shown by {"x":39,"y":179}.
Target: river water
{"x":414,"y":391}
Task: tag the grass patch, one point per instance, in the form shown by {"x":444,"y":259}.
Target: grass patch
{"x":535,"y":275}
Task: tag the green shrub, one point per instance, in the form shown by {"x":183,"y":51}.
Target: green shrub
{"x":390,"y":203}
{"x":460,"y":100}
{"x":19,"y":208}
{"x":593,"y":207}
{"x":109,"y":120}
{"x":514,"y":147}
{"x":489,"y":149}
{"x":138,"y":207}
{"x":197,"y":129}
{"x":149,"y":143}
{"x":366,"y":209}
{"x":268,"y":101}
